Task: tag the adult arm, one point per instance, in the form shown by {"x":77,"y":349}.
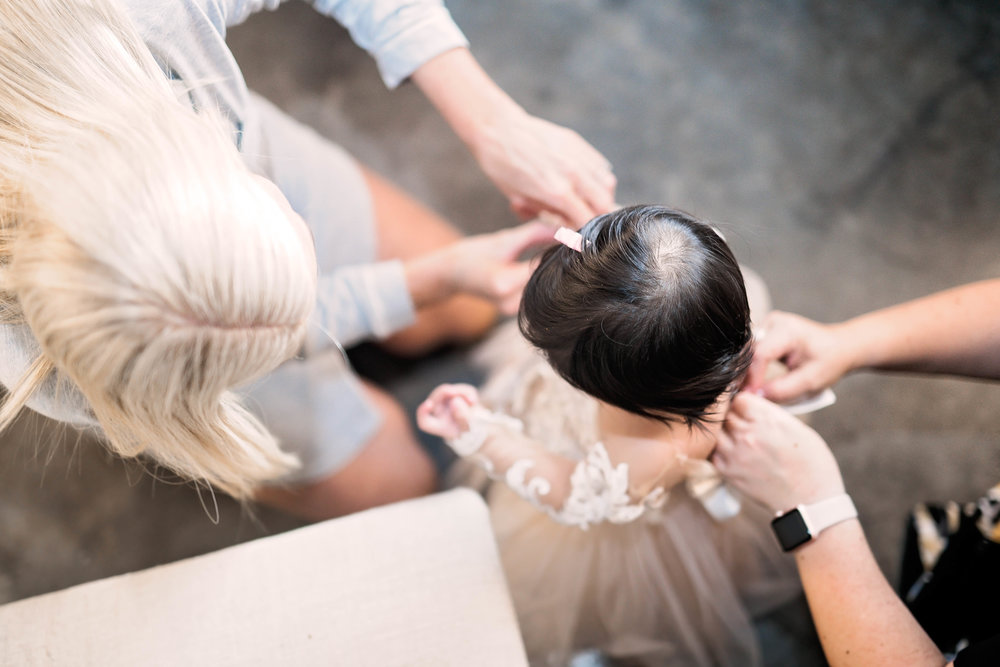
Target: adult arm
{"x":860,"y":619}
{"x":538,"y":165}
{"x":486,"y":265}
{"x":359,"y":302}
{"x":778,"y":461}
{"x":954,"y":332}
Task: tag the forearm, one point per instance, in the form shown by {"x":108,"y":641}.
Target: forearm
{"x":430,"y":278}
{"x":956,"y":331}
{"x":538,"y":165}
{"x":860,"y":619}
{"x":479,"y":100}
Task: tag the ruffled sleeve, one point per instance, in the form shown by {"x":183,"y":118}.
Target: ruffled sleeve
{"x":577,"y":493}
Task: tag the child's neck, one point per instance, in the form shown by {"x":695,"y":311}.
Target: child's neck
{"x":655,"y":451}
{"x":628,"y":437}
{"x":613,"y":422}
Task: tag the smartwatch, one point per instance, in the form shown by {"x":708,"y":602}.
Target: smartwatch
{"x":804,"y":522}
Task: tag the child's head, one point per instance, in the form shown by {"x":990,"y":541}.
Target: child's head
{"x":651,"y":316}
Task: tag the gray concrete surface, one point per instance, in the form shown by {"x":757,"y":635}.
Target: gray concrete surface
{"x":850,"y":151}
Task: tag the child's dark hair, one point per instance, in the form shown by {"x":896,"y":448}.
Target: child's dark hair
{"x":651,"y":316}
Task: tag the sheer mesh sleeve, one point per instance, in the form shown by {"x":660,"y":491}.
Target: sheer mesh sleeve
{"x":577,"y":493}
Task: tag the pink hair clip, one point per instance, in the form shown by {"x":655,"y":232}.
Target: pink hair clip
{"x":569,"y":238}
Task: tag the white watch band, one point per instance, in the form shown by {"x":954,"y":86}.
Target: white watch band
{"x":826,"y":513}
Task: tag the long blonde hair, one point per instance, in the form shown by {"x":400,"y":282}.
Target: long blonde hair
{"x":152,"y":271}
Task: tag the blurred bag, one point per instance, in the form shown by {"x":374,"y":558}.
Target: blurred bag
{"x":950,"y":573}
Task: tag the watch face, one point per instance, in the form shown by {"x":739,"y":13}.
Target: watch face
{"x":791,"y":530}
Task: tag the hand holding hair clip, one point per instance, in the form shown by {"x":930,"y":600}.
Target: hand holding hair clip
{"x":569,"y":238}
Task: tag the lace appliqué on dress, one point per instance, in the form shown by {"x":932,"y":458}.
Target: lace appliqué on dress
{"x":599,"y":490}
{"x":480,"y":420}
{"x":600,"y":493}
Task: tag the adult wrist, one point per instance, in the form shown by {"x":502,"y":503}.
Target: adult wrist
{"x":465,"y":95}
{"x":803,"y":523}
{"x":858,"y":343}
{"x":431,"y":278}
{"x":485,"y":131}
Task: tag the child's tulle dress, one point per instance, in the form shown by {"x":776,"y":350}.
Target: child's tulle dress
{"x":648,"y":575}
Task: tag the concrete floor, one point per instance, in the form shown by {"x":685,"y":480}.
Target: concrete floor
{"x":851,"y":153}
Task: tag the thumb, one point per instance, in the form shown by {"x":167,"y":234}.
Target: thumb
{"x":796,"y":384}
{"x":768,"y":348}
{"x":460,"y":410}
{"x":508,"y":284}
{"x":574,"y":209}
{"x":756,"y":373}
{"x":509,"y":305}
{"x":559,"y":196}
{"x":528,"y":235}
{"x":523,"y":208}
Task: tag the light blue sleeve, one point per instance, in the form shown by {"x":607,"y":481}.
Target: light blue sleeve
{"x":238,"y":11}
{"x":400,"y":34}
{"x":357,"y":303}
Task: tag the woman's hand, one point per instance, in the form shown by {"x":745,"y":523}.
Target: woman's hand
{"x":540,"y":166}
{"x":817,"y":355}
{"x":445,"y":412}
{"x":487,"y":265}
{"x":773,"y":457}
